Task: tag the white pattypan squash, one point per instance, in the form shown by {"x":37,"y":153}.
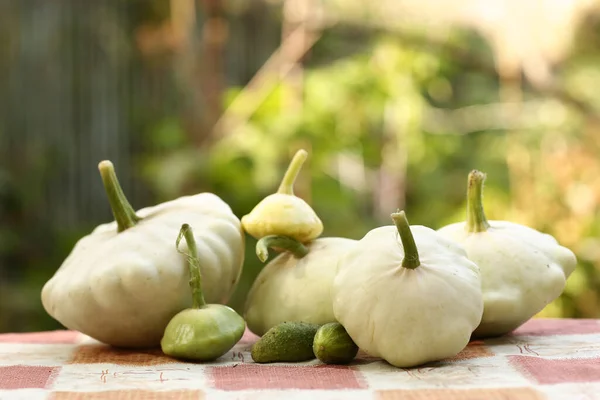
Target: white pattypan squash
{"x":408,"y":295}
{"x":522,"y":270}
{"x":296,"y":285}
{"x":122,"y":283}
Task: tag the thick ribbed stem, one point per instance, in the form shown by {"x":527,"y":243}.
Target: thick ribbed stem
{"x":122,"y":211}
{"x":476,"y":220}
{"x":193,"y":263}
{"x":279,"y":242}
{"x":287,"y":183}
{"x":411,"y":254}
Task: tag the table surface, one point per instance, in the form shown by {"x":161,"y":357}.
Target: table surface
{"x":544,"y":359}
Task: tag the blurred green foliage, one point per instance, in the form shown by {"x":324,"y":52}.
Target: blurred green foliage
{"x":374,"y":111}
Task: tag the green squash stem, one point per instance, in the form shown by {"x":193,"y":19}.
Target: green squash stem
{"x":279,"y":242}
{"x":411,"y":254}
{"x":193,"y":263}
{"x":123,"y":211}
{"x":287,"y":183}
{"x":476,"y":220}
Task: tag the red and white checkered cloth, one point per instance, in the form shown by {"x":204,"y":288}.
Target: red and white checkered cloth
{"x":544,"y":359}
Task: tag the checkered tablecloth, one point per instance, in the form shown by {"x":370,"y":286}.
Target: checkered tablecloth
{"x":544,"y":359}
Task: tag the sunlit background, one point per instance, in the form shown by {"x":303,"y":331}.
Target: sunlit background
{"x":396,"y":102}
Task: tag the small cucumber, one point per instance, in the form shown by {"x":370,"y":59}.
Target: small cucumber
{"x":333,"y":345}
{"x":286,"y":342}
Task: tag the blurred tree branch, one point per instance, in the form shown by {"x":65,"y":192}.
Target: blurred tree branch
{"x":200,"y":60}
{"x":212,"y":61}
{"x":299,"y":41}
{"x":467,"y":58}
{"x":530,"y":114}
{"x":281,"y":63}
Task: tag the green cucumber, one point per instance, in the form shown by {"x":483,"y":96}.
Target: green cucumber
{"x":286,"y":342}
{"x":333,"y":345}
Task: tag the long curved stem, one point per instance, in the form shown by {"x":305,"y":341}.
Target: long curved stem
{"x":287,"y":183}
{"x":476,"y":220}
{"x":193,"y":263}
{"x":279,"y":242}
{"x":122,"y":211}
{"x":411,"y":254}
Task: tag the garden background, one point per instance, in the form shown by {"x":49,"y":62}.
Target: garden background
{"x":396,"y":101}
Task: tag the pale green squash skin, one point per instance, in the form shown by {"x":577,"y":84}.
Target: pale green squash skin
{"x":292,"y":289}
{"x":203,"y":334}
{"x":522,"y":270}
{"x":282,"y":213}
{"x":122,"y":283}
{"x":408,"y":295}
